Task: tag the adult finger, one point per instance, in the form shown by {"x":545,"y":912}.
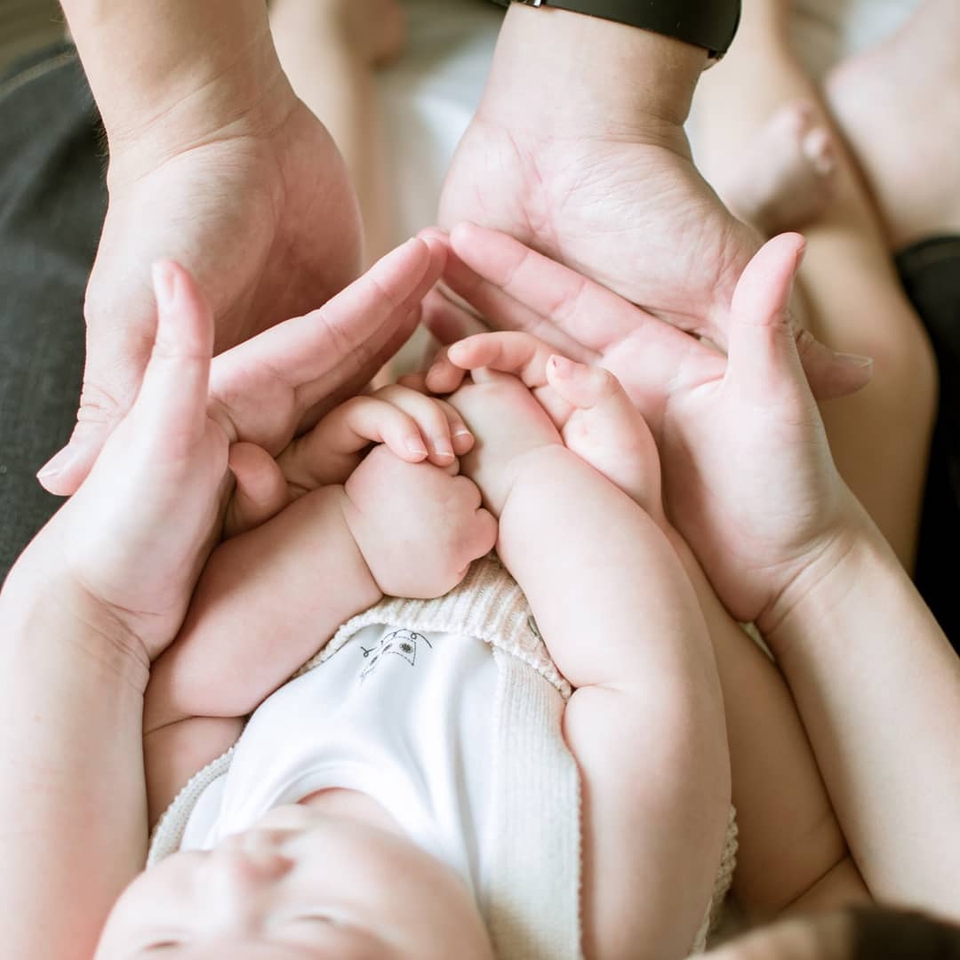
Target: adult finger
{"x":447,"y":320}
{"x":317,"y":355}
{"x":172,"y":402}
{"x":443,"y":375}
{"x":592,"y":317}
{"x":831,"y":374}
{"x":344,"y":327}
{"x":383,"y":346}
{"x":763,"y":363}
{"x":502,"y":310}
{"x":117,"y":351}
{"x":170,"y":409}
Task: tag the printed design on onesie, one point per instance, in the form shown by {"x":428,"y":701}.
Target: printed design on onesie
{"x":399,"y":643}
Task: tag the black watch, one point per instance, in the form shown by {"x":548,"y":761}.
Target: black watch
{"x":704,"y":23}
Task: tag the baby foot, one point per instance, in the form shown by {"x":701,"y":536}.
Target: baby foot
{"x":786,"y":176}
{"x":898,"y":105}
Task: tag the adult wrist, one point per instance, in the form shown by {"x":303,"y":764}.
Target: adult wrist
{"x":710,"y":24}
{"x":39,"y":606}
{"x":168,"y":75}
{"x":560,"y":72}
{"x":825,"y":578}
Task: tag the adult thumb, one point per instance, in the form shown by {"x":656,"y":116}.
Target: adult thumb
{"x":110,"y":385}
{"x":114,"y":377}
{"x":172,"y":403}
{"x":762,"y":297}
{"x":763,"y":363}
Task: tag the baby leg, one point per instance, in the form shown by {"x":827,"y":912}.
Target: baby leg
{"x":855,"y":303}
{"x":330,"y":50}
{"x":898,"y":105}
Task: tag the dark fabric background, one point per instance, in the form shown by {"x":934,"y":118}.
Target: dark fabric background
{"x":930,"y":272}
{"x":52,"y":204}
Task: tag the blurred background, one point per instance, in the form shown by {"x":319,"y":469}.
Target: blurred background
{"x":26,"y":25}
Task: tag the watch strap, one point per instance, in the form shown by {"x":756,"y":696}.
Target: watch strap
{"x":704,"y":23}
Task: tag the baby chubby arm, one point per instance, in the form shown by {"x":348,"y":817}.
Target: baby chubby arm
{"x":266,"y":602}
{"x":272,"y":596}
{"x":622,"y":622}
{"x":646,"y":721}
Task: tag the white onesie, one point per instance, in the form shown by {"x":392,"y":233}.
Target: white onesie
{"x":401,"y":716}
{"x":448,"y":712}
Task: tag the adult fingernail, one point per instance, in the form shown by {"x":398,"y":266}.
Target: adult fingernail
{"x":854,"y":360}
{"x":57,"y":463}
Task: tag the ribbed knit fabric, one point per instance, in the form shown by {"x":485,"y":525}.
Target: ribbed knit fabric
{"x":530,"y":858}
{"x":721,"y":884}
{"x":488,"y":604}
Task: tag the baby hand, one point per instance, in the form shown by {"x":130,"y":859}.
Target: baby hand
{"x":511,"y":426}
{"x":415,"y":427}
{"x":589,"y":407}
{"x":418,"y":526}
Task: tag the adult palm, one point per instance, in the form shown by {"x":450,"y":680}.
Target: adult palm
{"x":264,"y":219}
{"x":630,"y":212}
{"x":748,"y":477}
{"x":635,"y":216}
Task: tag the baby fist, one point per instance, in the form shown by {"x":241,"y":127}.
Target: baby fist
{"x":418,"y":526}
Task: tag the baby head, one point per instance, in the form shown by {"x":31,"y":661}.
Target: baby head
{"x":299,"y":885}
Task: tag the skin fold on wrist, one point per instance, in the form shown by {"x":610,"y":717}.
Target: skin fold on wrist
{"x":825,"y":576}
{"x":349,"y":513}
{"x":36,"y":602}
{"x":168,"y":75}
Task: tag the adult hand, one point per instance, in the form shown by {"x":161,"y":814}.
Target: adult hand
{"x":587,"y":405}
{"x":136,"y":534}
{"x":595,"y":171}
{"x":748,"y":477}
{"x":413,"y":426}
{"x":279,"y":384}
{"x":260,"y":211}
